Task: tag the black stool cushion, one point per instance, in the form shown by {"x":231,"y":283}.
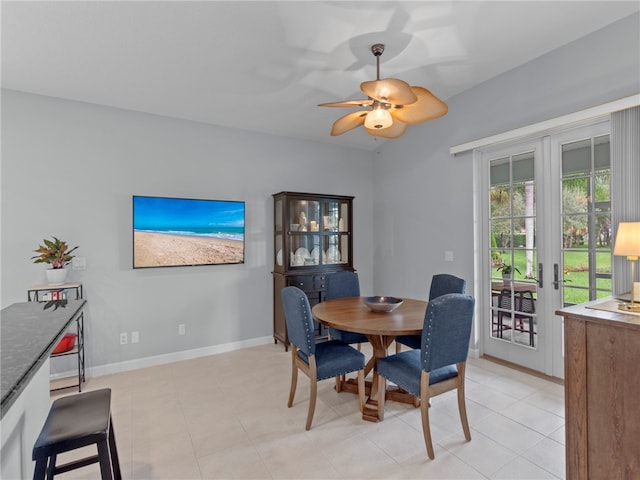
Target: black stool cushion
{"x":74,"y":422}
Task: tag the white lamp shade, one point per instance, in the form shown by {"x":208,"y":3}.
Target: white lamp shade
{"x":627,"y":240}
{"x":378,"y":118}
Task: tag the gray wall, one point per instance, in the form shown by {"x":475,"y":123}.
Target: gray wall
{"x":69,"y":169}
{"x":423,"y":203}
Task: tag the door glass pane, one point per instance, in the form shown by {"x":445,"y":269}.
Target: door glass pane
{"x":586,"y":220}
{"x":513,"y":249}
{"x":574,"y":195}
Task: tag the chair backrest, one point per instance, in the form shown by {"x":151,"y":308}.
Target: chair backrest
{"x":447,"y":331}
{"x":342,"y":284}
{"x":504,"y":300}
{"x":526,"y":303}
{"x":523,"y":301}
{"x":444,"y":283}
{"x":297,"y":316}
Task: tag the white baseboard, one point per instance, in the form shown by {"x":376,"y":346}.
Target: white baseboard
{"x":111,"y":368}
{"x":179,"y":356}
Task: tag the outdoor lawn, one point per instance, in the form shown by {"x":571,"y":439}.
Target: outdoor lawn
{"x":576,"y":273}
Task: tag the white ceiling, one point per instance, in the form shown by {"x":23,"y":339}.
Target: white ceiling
{"x":264,"y":66}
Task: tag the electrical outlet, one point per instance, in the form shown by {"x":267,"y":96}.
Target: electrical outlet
{"x":123,"y":338}
{"x":181,"y":329}
{"x":78,"y":263}
{"x":448,"y":256}
{"x":135,"y":337}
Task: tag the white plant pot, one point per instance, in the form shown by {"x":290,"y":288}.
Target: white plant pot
{"x":56,"y":276}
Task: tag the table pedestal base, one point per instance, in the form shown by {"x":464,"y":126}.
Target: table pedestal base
{"x":380,"y":344}
{"x":371,"y":404}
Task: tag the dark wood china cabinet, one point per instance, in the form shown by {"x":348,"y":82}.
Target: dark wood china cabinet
{"x":312,"y":239}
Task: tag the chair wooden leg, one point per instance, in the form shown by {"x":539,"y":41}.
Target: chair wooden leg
{"x":361,"y":389}
{"x":312,"y":402}
{"x":398,"y":347}
{"x":339,"y":380}
{"x":424,"y":410}
{"x":382,"y":393}
{"x":294,"y":376}
{"x":462,"y":407}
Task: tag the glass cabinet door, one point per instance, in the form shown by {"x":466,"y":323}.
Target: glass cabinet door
{"x":304,"y":220}
{"x":335,"y":221}
{"x":318,"y":232}
{"x":278,"y":243}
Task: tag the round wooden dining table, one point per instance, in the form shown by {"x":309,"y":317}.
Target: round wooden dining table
{"x":381,"y":328}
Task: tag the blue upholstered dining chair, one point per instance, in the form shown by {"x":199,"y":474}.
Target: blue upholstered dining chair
{"x":439,"y":366}
{"x":441,"y":284}
{"x":318,"y":361}
{"x":340,"y":285}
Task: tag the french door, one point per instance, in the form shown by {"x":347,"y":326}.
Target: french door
{"x":583,"y":233}
{"x":544,"y":237}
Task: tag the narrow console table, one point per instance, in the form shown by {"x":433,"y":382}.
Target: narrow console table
{"x":602,"y":391}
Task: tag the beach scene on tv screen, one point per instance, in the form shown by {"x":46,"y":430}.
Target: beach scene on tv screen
{"x":169,"y":232}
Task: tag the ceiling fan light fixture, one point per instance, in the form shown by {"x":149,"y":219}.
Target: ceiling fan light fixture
{"x":378,"y":118}
{"x":391,"y":105}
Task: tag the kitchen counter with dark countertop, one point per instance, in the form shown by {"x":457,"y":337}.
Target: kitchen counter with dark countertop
{"x":29,"y":332}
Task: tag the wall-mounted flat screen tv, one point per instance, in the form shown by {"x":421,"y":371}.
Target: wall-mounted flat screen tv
{"x":174,"y":232}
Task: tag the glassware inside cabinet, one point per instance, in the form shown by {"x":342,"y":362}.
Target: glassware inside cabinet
{"x":304,"y":215}
{"x":306,"y":250}
{"x":335,"y":216}
{"x":332,"y":249}
{"x":343,"y":220}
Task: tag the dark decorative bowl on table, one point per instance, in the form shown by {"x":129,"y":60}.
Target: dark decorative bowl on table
{"x":382,"y":304}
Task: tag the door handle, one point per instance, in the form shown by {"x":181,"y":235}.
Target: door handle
{"x":539,"y":275}
{"x":556,"y":283}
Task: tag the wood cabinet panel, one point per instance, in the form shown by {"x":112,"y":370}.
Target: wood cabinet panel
{"x":602,"y":393}
{"x":575,"y":394}
{"x":613,"y":389}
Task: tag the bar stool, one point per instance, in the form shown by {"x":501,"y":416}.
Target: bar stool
{"x":75,"y":422}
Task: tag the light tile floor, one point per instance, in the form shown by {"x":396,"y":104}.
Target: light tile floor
{"x":226,"y":416}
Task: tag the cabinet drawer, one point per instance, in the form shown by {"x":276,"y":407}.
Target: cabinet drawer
{"x":303,"y":282}
{"x":308,"y":283}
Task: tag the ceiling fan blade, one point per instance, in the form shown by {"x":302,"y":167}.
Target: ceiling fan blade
{"x":426,"y":108}
{"x":348,"y":103}
{"x":389,"y":90}
{"x":348,"y":122}
{"x":396,"y":130}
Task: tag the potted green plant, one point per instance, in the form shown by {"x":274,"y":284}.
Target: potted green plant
{"x":507,"y":271}
{"x":56,"y":253}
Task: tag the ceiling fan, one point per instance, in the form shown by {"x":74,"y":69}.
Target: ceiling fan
{"x":392,"y":105}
